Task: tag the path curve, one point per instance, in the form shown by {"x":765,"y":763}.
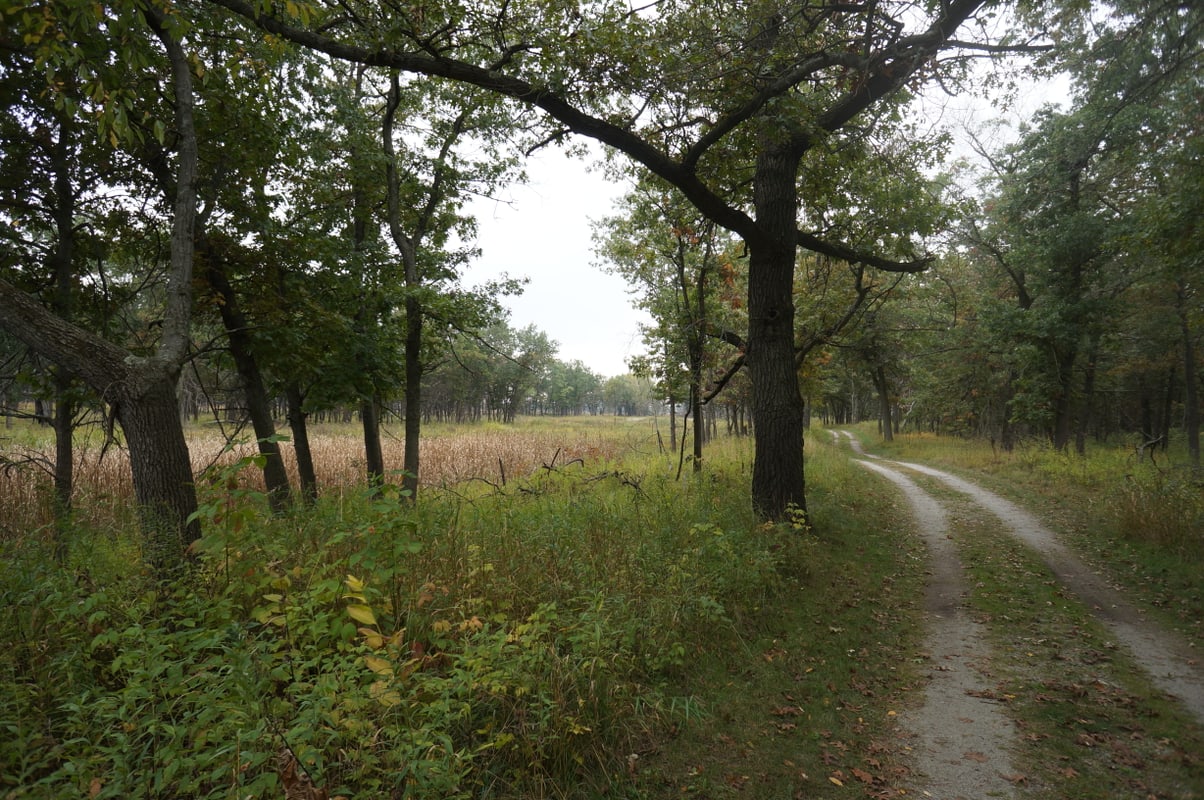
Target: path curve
{"x":1170,"y":661}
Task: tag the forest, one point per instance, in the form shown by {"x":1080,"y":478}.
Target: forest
{"x":291,"y":509}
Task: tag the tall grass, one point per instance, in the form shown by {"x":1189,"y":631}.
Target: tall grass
{"x":1113,"y":487}
{"x":450,"y":455}
{"x":502,"y":642}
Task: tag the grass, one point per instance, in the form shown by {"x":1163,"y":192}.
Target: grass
{"x":590,"y":627}
{"x":805,"y":706}
{"x":450,"y":456}
{"x":1092,"y":725}
{"x":1140,"y":522}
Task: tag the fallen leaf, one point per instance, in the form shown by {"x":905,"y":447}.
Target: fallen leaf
{"x":1017,"y":778}
{"x":862,"y":775}
{"x":1069,"y":772}
{"x":974,"y":755}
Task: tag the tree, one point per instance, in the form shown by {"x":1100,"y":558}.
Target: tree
{"x":704,"y":97}
{"x":1063,"y":227}
{"x":140,"y":389}
{"x":674,"y":256}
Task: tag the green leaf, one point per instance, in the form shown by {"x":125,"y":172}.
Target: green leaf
{"x":361,"y":614}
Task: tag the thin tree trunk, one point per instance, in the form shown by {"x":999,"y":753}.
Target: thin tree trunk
{"x":1191,"y":397}
{"x":62,"y":261}
{"x":259,"y":406}
{"x":1168,"y":404}
{"x":374,"y":457}
{"x":298,"y":424}
{"x":1064,"y":401}
{"x":1088,"y":400}
{"x":413,"y":368}
{"x":884,"y":410}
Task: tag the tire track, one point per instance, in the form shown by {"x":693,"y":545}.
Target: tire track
{"x":961,"y":738}
{"x":956,"y":642}
{"x":1171,"y":663}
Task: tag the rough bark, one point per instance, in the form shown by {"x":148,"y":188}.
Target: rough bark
{"x":162,"y":469}
{"x":777,"y":406}
{"x":142,"y":393}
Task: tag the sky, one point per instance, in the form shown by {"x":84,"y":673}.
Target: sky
{"x":541,"y":230}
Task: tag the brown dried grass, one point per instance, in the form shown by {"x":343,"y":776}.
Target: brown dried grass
{"x":448,"y":456}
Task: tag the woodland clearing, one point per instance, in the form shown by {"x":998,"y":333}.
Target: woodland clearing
{"x":592,"y":626}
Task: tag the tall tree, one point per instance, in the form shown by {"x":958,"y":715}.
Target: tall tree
{"x":677,"y":260}
{"x":705,"y":97}
{"x":140,"y":389}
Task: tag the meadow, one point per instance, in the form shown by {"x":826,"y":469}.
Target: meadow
{"x":587,"y":626}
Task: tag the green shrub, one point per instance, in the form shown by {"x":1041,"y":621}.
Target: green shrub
{"x":510,"y":644}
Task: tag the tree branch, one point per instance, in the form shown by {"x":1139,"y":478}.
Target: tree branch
{"x":809,"y":241}
{"x":541,"y":97}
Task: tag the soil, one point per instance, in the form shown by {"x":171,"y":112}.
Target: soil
{"x":962,"y":738}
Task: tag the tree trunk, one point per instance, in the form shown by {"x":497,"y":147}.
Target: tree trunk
{"x":884,"y":410}
{"x":1168,"y":403}
{"x":374,"y":457}
{"x":142,"y":391}
{"x":298,"y":424}
{"x":1064,"y":401}
{"x":62,"y":261}
{"x":259,"y":405}
{"x":1088,"y":400}
{"x":161,"y":466}
{"x":413,"y":369}
{"x":672,"y":403}
{"x":1191,"y":397}
{"x":777,"y":407}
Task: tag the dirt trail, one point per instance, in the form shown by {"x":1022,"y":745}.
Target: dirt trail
{"x":954,"y":639}
{"x":962,"y":737}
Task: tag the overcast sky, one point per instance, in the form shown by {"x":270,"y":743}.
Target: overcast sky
{"x":543,"y":233}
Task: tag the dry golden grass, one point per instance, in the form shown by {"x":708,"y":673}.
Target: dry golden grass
{"x":448,"y":455}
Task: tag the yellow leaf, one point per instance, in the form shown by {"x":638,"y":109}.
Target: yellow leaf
{"x":382,"y":694}
{"x":373,"y":639}
{"x":836,"y":780}
{"x":379,"y":665}
{"x":362,"y":614}
{"x":354,"y":584}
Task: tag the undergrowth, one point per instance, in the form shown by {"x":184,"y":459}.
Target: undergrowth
{"x":512,"y":644}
